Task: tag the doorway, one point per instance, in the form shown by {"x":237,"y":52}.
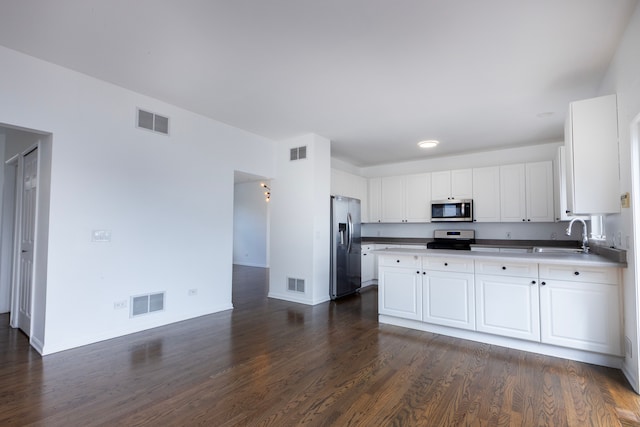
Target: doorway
{"x":24,"y":155}
{"x":250,"y":230}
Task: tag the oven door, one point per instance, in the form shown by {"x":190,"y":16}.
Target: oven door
{"x":452,"y":211}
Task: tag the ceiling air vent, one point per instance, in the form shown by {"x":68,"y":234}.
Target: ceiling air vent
{"x":298,"y":153}
{"x":153,"y":122}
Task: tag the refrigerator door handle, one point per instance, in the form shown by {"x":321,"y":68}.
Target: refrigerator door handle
{"x":349,"y":232}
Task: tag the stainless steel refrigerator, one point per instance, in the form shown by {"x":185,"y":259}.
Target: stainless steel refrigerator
{"x":345,"y":246}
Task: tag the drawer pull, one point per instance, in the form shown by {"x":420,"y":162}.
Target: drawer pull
{"x":577,"y":273}
{"x":424,"y":272}
{"x":533,"y":282}
{"x":504,"y":268}
{"x":417,"y":272}
{"x":543,"y":283}
{"x":446,"y":264}
{"x":397,"y":260}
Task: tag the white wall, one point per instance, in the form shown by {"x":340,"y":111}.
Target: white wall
{"x":250,"y":225}
{"x":623,"y":78}
{"x":300,"y":215}
{"x":168,"y":201}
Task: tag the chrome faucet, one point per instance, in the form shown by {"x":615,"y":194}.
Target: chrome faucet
{"x":585,"y":239}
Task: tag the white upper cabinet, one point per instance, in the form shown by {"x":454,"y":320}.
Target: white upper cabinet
{"x":591,"y":141}
{"x":406,"y":198}
{"x":375,"y":201}
{"x":486,"y":194}
{"x":454,"y":184}
{"x":560,"y":188}
{"x":539,"y":191}
{"x":526,"y":192}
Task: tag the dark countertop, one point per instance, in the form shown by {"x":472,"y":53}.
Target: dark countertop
{"x":485,"y":242}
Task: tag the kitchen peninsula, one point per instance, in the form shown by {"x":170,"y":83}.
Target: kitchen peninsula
{"x":560,"y":304}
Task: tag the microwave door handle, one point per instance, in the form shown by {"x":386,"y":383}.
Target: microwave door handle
{"x":463,"y":205}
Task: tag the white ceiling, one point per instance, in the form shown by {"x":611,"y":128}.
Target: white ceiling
{"x":373,"y":76}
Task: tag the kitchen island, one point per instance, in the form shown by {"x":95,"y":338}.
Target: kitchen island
{"x":560,"y":304}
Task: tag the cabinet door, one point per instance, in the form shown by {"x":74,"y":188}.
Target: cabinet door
{"x":512,"y":193}
{"x":392,"y":199}
{"x":581,"y":315}
{"x":448,"y":299}
{"x":462,"y":184}
{"x":368,"y":265}
{"x":418,"y":197}
{"x":441,"y":185}
{"x":539,"y":191}
{"x":374,"y":186}
{"x":486,"y":194}
{"x":591,"y":138}
{"x":508,"y":306}
{"x":400,"y":292}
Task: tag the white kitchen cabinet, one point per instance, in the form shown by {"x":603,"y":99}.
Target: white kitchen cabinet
{"x":399,"y":288}
{"x":486,"y":194}
{"x":453,"y":184}
{"x":368,"y":265}
{"x":560,"y":188}
{"x":591,"y":141}
{"x":507,"y":300}
{"x":406,"y":198}
{"x":526,"y":192}
{"x":580,"y":308}
{"x":374,"y":192}
{"x":448,"y":293}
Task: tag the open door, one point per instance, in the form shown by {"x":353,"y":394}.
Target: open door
{"x":26,"y":221}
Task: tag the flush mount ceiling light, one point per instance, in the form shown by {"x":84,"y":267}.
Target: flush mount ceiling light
{"x":429,"y":143}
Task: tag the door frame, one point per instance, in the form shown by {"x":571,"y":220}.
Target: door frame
{"x":634,"y":377}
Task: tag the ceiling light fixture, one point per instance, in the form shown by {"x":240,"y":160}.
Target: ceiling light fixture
{"x":429,"y":143}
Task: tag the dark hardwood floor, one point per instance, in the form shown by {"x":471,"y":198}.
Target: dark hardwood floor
{"x":269,"y":362}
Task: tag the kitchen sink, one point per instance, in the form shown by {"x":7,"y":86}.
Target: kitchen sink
{"x":556,"y":250}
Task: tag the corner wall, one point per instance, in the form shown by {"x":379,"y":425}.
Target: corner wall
{"x":167,"y":200}
{"x":300,"y":215}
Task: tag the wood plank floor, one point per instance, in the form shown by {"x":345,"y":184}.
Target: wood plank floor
{"x":273,"y":363}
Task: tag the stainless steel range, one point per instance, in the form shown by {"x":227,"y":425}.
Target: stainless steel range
{"x":453,"y":239}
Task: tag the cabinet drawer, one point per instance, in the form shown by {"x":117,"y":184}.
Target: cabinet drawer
{"x":507,"y":268}
{"x":458,"y":265}
{"x":399,"y":261}
{"x":579,"y":273}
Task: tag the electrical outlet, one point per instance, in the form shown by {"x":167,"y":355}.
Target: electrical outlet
{"x":193,"y":292}
{"x":508,"y":235}
{"x":119,"y":305}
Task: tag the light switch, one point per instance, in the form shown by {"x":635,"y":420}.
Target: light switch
{"x":101,"y":236}
{"x":625,"y":200}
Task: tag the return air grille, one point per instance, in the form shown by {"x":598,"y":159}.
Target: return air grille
{"x":298,"y":153}
{"x":295,"y":285}
{"x":153,"y":122}
{"x":149,"y":303}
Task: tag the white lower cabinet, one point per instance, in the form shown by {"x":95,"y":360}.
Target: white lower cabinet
{"x":578,"y":312}
{"x":448,"y":299}
{"x":368,"y":265}
{"x":508,"y":306}
{"x":577,"y":307}
{"x":400,"y":287}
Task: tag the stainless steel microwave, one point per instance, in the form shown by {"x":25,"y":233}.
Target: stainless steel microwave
{"x":452,"y":210}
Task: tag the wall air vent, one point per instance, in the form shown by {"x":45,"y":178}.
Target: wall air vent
{"x":298,"y":153}
{"x":153,"y":122}
{"x":295,"y":285}
{"x":149,"y":303}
